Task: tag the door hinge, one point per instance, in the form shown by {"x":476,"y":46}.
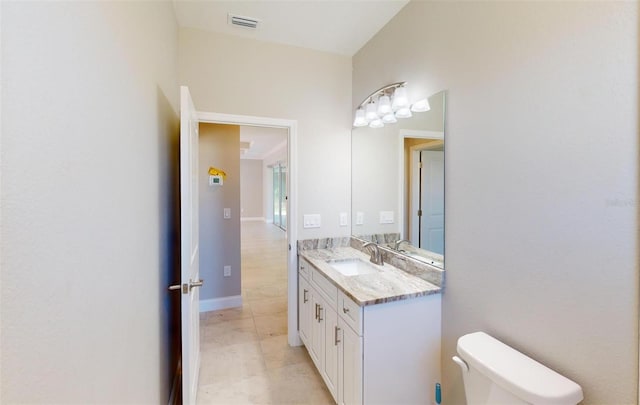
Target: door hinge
{"x":420,"y":165}
{"x":419,"y":213}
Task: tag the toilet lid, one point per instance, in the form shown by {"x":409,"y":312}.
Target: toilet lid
{"x":517,"y":373}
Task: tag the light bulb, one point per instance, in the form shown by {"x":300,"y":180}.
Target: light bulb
{"x":400,"y":99}
{"x":377,"y":123}
{"x":360,"y":121}
{"x":389,"y":118}
{"x":384,"y":105}
{"x":404,"y":112}
{"x":421,"y":106}
{"x":371,"y":113}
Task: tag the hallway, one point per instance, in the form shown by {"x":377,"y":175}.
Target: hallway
{"x":245,"y":355}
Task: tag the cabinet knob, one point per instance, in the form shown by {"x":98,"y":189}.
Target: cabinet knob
{"x":345,"y":310}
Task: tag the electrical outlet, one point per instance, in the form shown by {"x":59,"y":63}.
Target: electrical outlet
{"x":344,"y":219}
{"x":227,"y":271}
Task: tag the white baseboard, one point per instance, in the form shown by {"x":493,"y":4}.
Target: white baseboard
{"x":214,"y":304}
{"x":252,"y":219}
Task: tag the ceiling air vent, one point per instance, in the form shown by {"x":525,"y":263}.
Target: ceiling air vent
{"x":246,"y":22}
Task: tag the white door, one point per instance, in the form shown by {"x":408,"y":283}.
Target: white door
{"x":189,"y":252}
{"x":432,"y":219}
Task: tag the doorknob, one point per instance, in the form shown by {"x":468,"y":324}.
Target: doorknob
{"x":186,"y":287}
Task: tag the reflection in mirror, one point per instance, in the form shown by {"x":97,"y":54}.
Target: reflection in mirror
{"x":398,"y":184}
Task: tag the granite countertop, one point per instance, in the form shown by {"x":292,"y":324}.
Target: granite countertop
{"x":387,"y":284}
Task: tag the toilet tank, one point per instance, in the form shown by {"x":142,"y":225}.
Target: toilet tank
{"x":495,"y":373}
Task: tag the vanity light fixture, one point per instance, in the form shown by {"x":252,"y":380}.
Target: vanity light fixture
{"x":360,"y":120}
{"x":421,"y":106}
{"x":386,"y":105}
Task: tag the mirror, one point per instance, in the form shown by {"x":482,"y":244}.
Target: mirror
{"x":398,"y":184}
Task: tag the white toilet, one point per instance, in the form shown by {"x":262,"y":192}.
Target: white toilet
{"x":495,"y":373}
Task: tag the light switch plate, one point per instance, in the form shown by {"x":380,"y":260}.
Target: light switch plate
{"x":386,"y":217}
{"x":360,"y":218}
{"x":311,"y":221}
{"x":227,"y":213}
{"x":227,"y":271}
{"x":344,"y":219}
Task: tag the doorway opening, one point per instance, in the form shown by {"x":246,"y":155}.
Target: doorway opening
{"x":279,"y":195}
{"x":290,"y":206}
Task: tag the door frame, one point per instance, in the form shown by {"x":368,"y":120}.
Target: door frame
{"x":402,"y":134}
{"x":414,"y":156}
{"x":292,"y":202}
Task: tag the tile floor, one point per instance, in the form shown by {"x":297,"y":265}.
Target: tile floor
{"x":245,"y":355}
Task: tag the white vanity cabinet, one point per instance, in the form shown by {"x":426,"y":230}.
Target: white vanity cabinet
{"x":386,"y":353}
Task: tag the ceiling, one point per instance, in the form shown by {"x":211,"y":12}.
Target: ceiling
{"x":337,"y":26}
{"x":263,"y":141}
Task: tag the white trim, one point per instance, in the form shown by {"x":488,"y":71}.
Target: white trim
{"x":244,"y":219}
{"x":215,"y":304}
{"x":218,"y":118}
{"x":418,"y":133}
{"x":292,"y":204}
{"x":269,"y":221}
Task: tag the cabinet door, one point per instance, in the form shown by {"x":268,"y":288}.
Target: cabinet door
{"x":350,"y":366}
{"x":332,"y":341}
{"x":305,"y":315}
{"x":316,"y":348}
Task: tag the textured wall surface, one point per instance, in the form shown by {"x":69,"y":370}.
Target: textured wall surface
{"x":251,"y":188}
{"x":89,"y":154}
{"x":541,"y":176}
{"x":247,"y":77}
{"x":219,"y":146}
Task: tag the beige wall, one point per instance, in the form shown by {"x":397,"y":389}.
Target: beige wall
{"x":251,"y":190}
{"x":241,"y":76}
{"x":219,"y":146}
{"x":89,"y":153}
{"x":541,"y":176}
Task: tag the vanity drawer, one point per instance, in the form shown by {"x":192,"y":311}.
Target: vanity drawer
{"x":350,"y":312}
{"x":304,"y":268}
{"x":324,"y":287}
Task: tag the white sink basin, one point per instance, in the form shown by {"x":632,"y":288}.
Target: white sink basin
{"x":354,"y":267}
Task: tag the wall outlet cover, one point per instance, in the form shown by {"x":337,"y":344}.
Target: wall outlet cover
{"x":344,"y":219}
{"x":386,"y":217}
{"x":311,"y":221}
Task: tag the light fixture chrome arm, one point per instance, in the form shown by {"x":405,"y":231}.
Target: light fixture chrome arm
{"x":381,"y":90}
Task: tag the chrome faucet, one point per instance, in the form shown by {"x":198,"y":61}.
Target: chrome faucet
{"x":396,"y":244}
{"x":376,"y":257}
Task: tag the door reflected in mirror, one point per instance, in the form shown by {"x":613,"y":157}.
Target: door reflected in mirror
{"x":398,"y":184}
